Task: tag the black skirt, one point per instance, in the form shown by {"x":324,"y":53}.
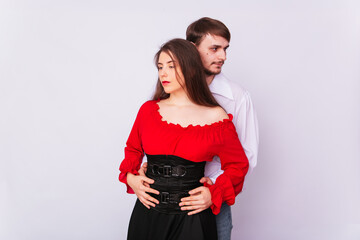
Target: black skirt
{"x":174,"y":177}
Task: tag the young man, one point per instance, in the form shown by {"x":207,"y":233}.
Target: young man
{"x":212,"y":37}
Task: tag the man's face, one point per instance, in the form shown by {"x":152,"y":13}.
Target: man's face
{"x":212,"y":51}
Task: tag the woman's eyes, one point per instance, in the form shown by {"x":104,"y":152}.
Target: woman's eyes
{"x":160,"y":68}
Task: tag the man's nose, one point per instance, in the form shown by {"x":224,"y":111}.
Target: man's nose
{"x":222,"y":55}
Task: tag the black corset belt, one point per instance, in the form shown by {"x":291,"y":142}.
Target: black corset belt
{"x":174,"y":178}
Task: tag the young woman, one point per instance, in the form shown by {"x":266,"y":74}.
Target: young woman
{"x":179,"y":130}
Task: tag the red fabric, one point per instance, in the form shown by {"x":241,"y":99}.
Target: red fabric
{"x":154,"y":136}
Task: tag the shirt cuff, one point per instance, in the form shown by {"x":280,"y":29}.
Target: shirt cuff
{"x":220,"y":193}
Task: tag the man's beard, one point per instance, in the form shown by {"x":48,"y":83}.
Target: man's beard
{"x":209,"y":73}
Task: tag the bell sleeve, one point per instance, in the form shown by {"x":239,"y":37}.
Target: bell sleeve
{"x":235,"y":165}
{"x":134,"y":152}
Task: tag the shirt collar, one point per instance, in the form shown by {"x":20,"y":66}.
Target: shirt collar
{"x":220,"y":86}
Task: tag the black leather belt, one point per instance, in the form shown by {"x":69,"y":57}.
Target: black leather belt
{"x":166,"y":197}
{"x":173,"y":177}
{"x":167,"y":170}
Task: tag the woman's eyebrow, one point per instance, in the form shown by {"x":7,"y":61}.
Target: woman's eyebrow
{"x":171,"y":61}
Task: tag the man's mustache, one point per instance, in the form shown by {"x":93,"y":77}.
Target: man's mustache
{"x":219,"y":62}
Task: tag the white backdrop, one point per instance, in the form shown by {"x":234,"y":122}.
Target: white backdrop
{"x":74,"y":73}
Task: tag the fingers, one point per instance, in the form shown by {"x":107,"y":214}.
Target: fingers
{"x":147,"y":200}
{"x":147,"y":203}
{"x":207,"y":180}
{"x":147,"y":180}
{"x":203,"y":179}
{"x":150,"y":190}
{"x":196,"y":190}
{"x":141,"y":172}
{"x":195,"y":211}
{"x":199,"y":200}
{"x":195,"y":207}
{"x":142,"y":193}
{"x":192,"y":203}
{"x":193,"y":198}
{"x":188,"y":199}
{"x":143,"y":169}
{"x":136,"y":181}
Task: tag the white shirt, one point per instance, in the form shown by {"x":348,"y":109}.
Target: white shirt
{"x":235,"y":100}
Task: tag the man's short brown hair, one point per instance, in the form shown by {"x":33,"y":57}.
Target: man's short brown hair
{"x":200,"y":28}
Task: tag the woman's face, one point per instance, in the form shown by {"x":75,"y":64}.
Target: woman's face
{"x":170,"y":74}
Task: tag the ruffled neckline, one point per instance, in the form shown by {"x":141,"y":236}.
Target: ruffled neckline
{"x":190,"y":126}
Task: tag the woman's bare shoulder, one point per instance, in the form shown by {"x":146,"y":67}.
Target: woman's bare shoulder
{"x":217,"y":114}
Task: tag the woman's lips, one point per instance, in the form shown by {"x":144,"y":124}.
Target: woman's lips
{"x":165,"y":82}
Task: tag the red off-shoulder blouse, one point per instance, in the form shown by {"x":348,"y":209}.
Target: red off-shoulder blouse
{"x":152,"y":135}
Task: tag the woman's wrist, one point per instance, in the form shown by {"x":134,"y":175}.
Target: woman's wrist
{"x":129,"y":176}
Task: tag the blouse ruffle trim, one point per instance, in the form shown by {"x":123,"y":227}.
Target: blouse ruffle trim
{"x":220,"y":194}
{"x":215,"y":124}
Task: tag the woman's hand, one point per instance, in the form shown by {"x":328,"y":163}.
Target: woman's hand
{"x":142,"y":172}
{"x":140,"y":185}
{"x":199,"y":199}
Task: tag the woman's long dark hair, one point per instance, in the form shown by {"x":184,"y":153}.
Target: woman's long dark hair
{"x":188,"y":59}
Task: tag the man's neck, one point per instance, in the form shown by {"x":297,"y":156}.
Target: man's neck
{"x":209,"y":79}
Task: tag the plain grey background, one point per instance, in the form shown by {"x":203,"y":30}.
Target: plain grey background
{"x":74,"y":73}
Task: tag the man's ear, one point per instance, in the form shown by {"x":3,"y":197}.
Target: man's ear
{"x":194,"y":44}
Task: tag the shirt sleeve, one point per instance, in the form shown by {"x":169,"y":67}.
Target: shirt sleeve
{"x":213,"y":169}
{"x":235,"y":165}
{"x":246,"y":124}
{"x":133,"y":151}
